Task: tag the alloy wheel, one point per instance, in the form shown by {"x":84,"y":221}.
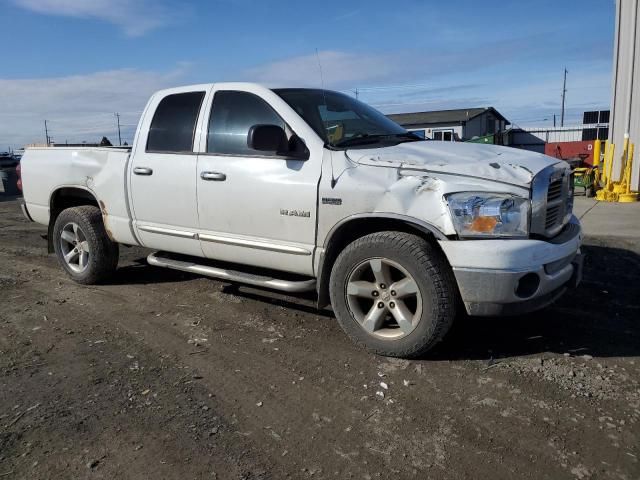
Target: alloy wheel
{"x":74,"y":247}
{"x":384,"y":298}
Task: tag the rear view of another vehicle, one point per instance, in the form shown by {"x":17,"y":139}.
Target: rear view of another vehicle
{"x":9,"y":177}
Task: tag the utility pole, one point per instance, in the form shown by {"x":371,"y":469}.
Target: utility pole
{"x":119,"y":136}
{"x":554,"y":120}
{"x":46,"y":133}
{"x":564,"y":92}
{"x":356,"y":92}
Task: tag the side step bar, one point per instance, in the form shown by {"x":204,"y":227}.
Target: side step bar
{"x":289,"y":286}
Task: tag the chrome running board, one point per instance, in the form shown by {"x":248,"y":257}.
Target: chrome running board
{"x":289,"y":286}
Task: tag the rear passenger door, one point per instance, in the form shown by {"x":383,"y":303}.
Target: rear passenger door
{"x":162,"y":174}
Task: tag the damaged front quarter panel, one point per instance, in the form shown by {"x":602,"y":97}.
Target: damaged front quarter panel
{"x":374,"y":184}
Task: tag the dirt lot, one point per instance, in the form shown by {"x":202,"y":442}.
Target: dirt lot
{"x":161,"y":374}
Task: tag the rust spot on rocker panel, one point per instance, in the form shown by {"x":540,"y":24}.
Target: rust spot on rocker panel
{"x":105,"y":216}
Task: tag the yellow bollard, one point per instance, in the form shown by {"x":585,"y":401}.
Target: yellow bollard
{"x":619,"y":186}
{"x":606,"y":194}
{"x":603,"y":175}
{"x":596,"y":153}
{"x":612,"y":151}
{"x":627,"y":195}
{"x":597,"y":145}
{"x":605,"y":167}
{"x":629,"y":166}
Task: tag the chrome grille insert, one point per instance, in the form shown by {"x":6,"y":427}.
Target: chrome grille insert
{"x":551,"y":199}
{"x":555,"y":190}
{"x":552,"y":216}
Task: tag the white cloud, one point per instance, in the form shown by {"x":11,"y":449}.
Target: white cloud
{"x":412,"y":81}
{"x":81,"y":107}
{"x":77,"y":108}
{"x":135,"y":17}
{"x":343,"y":69}
{"x":339,"y":70}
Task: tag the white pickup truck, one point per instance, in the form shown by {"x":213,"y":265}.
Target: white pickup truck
{"x":300,"y":189}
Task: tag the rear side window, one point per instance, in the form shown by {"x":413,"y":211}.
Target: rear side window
{"x":174,"y":123}
{"x":232,"y":115}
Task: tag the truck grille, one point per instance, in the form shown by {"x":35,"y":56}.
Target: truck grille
{"x":552,"y":200}
{"x":555,"y":190}
{"x":552,"y":216}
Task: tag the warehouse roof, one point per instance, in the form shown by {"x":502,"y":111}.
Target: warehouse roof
{"x":459,"y":115}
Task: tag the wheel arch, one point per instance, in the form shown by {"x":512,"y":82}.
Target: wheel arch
{"x":67,"y":197}
{"x":356,"y":226}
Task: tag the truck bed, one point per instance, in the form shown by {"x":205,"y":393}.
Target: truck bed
{"x":97,"y":170}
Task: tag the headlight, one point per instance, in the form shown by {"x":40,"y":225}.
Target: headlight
{"x":480,"y":214}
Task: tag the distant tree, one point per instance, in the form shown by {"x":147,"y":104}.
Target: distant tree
{"x":105,"y":142}
{"x":125,"y":144}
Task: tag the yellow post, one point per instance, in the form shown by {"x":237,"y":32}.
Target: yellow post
{"x":596,"y":154}
{"x":603,"y":175}
{"x":612,"y":150}
{"x":597,"y":145}
{"x":627,"y":172}
{"x":625,"y":151}
{"x":606,"y":194}
{"x":628,"y":195}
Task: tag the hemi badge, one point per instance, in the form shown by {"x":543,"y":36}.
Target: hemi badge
{"x":331,"y":201}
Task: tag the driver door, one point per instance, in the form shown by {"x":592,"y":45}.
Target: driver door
{"x":254,"y":207}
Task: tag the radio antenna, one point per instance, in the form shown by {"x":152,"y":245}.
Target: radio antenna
{"x":324,"y":99}
{"x":321,"y":77}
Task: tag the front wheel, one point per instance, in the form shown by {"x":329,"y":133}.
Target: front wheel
{"x":393,"y":293}
{"x":82,"y":246}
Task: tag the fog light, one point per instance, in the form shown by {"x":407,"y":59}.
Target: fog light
{"x":527,"y":285}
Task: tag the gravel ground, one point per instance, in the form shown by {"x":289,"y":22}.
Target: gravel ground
{"x":162,"y":374}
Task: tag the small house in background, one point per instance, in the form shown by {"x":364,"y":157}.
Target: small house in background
{"x":453,"y":125}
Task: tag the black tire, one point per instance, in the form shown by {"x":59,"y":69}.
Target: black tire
{"x":434,"y":279}
{"x":103,"y":253}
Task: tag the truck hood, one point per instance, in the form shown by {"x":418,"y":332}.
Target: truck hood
{"x":488,"y":162}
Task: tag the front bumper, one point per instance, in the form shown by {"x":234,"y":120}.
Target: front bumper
{"x":509,"y":277}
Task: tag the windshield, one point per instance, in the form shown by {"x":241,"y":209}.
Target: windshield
{"x":342,"y":121}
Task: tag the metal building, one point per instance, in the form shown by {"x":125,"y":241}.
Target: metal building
{"x":453,"y":125}
{"x":625,"y":102}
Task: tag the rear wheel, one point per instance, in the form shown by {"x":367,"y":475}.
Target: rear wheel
{"x":393,"y":293}
{"x":82,"y":246}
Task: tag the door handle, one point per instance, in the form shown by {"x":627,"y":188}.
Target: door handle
{"x":142,"y":171}
{"x":214,"y":176}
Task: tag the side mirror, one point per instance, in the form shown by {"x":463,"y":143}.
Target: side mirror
{"x":267,"y":138}
{"x":273,"y":139}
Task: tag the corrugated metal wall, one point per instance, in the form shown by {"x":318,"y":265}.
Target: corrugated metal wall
{"x":625,"y":104}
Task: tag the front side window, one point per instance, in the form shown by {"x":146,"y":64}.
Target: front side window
{"x":174,"y":122}
{"x":342,"y":121}
{"x":232,"y":115}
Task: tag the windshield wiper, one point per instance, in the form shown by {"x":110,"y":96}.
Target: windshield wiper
{"x":365,"y":138}
{"x":406,"y":137}
{"x":358,"y":139}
